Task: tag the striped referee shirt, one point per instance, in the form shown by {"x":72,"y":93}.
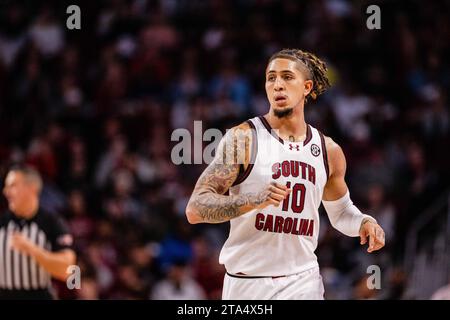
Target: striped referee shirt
{"x":19,"y":272}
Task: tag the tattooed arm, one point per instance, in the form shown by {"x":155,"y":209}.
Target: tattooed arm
{"x":208,"y":204}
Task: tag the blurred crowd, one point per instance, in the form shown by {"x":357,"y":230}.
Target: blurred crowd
{"x":94,"y":110}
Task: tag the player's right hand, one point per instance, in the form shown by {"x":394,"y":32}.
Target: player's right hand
{"x":273,"y":194}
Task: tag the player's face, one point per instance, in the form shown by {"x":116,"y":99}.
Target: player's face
{"x":286,"y":86}
{"x":17,"y":190}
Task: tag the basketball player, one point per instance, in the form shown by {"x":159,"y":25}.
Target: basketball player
{"x":288,"y":168}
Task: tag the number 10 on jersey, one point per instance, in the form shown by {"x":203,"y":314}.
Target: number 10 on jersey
{"x":296,"y":198}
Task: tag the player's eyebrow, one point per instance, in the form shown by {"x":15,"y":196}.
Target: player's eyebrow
{"x":282,"y":71}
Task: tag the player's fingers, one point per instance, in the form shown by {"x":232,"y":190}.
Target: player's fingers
{"x":277,"y":199}
{"x":277,"y":196}
{"x":279,"y":191}
{"x":371,"y":240}
{"x":363,"y":237}
{"x":274,"y":189}
{"x":380,"y":239}
{"x":378,"y":245}
{"x":380,"y":234}
{"x":274,"y":202}
{"x":279,"y":186}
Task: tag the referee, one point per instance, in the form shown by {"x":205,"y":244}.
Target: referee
{"x":35,"y":245}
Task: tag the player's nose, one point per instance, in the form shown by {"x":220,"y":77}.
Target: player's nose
{"x":278,"y":85}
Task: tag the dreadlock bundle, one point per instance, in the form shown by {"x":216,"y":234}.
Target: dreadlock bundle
{"x":316,"y":68}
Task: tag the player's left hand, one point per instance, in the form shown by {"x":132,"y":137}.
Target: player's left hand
{"x":374,"y":232}
{"x":20,"y":243}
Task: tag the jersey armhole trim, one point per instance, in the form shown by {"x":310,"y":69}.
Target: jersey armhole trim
{"x":308,"y":135}
{"x":243,"y":174}
{"x":272,"y":132}
{"x":324,"y":154}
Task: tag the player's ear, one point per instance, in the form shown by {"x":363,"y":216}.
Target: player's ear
{"x":308,"y":86}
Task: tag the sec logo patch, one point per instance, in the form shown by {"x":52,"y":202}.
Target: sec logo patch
{"x":315,"y":150}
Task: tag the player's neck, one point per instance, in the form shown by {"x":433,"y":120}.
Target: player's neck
{"x":293,"y":125}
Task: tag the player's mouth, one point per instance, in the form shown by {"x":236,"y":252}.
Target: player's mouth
{"x":280,"y":100}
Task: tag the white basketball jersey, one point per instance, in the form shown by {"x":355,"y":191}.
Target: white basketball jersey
{"x":277,"y":241}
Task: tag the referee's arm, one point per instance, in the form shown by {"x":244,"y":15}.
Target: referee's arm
{"x":55,"y":263}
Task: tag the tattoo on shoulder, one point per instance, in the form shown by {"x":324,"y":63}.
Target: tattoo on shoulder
{"x":218,"y":177}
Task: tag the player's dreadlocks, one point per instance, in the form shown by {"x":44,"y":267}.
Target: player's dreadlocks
{"x":315,"y":69}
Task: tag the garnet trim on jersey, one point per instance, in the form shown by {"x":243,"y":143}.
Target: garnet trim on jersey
{"x":243,"y":174}
{"x":324,"y":154}
{"x":253,"y":277}
{"x":274,"y":134}
{"x":269,"y":128}
{"x":308,"y":135}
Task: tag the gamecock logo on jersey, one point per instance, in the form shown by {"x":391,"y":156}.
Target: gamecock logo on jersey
{"x":315,"y":150}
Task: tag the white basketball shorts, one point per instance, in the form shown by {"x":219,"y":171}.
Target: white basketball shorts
{"x":306,"y":285}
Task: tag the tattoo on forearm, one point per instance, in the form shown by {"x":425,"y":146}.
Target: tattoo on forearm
{"x":216,"y":208}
